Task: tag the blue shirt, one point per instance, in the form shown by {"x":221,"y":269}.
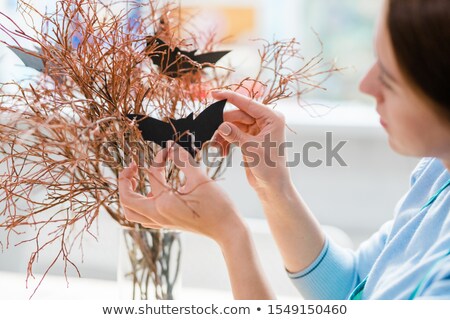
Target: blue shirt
{"x":399,"y":256}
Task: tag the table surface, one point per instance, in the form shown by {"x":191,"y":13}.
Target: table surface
{"x":13,"y":287}
{"x":56,"y":287}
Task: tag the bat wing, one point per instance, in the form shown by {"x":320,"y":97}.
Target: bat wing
{"x":202,"y":128}
{"x":153,"y":129}
{"x":29,"y":58}
{"x":209,"y":57}
{"x":208,"y":121}
{"x":169,"y":61}
{"x":186,"y":63}
{"x":161,"y":55}
{"x":176,"y":62}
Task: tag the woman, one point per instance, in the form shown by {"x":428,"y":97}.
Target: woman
{"x":408,"y":258}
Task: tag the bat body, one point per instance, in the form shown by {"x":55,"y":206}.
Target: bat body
{"x":188,"y":132}
{"x":176,"y":62}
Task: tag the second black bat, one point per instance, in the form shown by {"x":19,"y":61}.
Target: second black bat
{"x":188,"y":132}
{"x":176,"y":62}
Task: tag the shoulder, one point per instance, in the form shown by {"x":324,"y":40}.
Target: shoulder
{"x":426,"y":179}
{"x":428,"y":169}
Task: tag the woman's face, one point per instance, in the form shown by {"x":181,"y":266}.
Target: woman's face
{"x":411,"y":123}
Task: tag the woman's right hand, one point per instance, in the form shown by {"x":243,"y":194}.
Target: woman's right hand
{"x":260,"y":133}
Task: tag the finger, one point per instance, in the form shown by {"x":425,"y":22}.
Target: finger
{"x":134,"y":183}
{"x":155,"y":173}
{"x":157,"y":181}
{"x":243,"y":127}
{"x":152,"y":226}
{"x":232,"y":133}
{"x":220,"y":143}
{"x":133,"y":200}
{"x":129,"y":172}
{"x":238,"y":116}
{"x":225,"y":145}
{"x":245,"y":104}
{"x":184,"y":161}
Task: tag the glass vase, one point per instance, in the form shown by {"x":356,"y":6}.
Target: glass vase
{"x":149,"y":264}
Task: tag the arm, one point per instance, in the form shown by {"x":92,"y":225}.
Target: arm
{"x":436,"y":283}
{"x":319,"y":268}
{"x":246,"y":277}
{"x":166,"y":208}
{"x":295,"y":229}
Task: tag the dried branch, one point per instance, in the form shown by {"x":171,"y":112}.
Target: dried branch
{"x":64,"y":136}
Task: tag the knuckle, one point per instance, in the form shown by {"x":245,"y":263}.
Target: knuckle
{"x":235,"y":136}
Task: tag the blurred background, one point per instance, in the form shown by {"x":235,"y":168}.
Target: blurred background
{"x":351,"y":200}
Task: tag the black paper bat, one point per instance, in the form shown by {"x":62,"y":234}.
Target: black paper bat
{"x":188,"y":132}
{"x":176,"y":62}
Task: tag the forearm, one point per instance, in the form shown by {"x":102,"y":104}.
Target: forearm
{"x":246,"y":276}
{"x":296,"y":231}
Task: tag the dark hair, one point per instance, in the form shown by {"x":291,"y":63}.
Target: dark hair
{"x":420,"y":34}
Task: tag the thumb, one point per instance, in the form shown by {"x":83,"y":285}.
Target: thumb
{"x":232,"y":133}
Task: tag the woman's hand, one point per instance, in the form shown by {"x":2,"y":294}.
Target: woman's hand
{"x":260,"y":133}
{"x":200,"y":206}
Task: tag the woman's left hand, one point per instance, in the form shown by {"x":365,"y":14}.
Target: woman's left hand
{"x":200,"y":206}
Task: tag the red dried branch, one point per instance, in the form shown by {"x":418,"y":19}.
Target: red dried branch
{"x":65,"y":136}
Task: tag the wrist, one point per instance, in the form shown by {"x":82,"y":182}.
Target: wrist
{"x":233,"y":235}
{"x":246,"y":276}
{"x":279,"y":189}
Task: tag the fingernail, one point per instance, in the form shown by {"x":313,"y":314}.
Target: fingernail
{"x":225,"y":129}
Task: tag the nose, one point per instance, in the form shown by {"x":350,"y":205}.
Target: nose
{"x":370,"y":83}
